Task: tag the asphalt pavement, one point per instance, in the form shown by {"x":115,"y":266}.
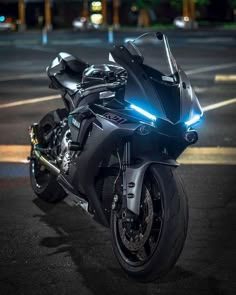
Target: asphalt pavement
{"x":58,"y":249}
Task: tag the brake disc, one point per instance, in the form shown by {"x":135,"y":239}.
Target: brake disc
{"x":133,"y":240}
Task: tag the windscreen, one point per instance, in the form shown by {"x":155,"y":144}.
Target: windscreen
{"x":152,"y":50}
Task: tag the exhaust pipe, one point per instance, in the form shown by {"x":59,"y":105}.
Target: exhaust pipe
{"x":36,"y":150}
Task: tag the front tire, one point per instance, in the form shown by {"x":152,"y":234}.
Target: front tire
{"x":150,"y":248}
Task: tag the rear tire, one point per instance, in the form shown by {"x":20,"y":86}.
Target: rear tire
{"x":43,"y":182}
{"x":163,"y":250}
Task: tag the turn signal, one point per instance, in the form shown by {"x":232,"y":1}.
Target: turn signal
{"x":191,"y":136}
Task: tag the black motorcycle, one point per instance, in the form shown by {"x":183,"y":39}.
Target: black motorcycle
{"x":114,"y":147}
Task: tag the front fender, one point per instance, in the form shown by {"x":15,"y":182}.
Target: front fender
{"x":134,"y":179}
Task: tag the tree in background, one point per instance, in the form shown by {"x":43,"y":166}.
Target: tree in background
{"x":188,"y":6}
{"x":145,"y":6}
{"x":176,"y":4}
{"x":232,"y":4}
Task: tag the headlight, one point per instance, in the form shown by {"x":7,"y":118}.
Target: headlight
{"x":193,"y":120}
{"x":143,"y":112}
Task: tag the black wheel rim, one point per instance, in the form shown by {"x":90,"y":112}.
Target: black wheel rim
{"x":142,"y":252}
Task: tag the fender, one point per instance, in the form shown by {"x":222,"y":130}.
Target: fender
{"x":134,"y":178}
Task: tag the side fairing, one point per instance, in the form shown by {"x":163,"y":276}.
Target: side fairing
{"x":189,"y":103}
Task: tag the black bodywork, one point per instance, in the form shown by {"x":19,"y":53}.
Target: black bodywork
{"x":98,"y":103}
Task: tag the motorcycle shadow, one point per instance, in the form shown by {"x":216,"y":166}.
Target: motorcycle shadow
{"x":89,"y":246}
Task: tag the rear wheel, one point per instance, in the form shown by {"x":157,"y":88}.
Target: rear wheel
{"x":43,"y":182}
{"x":147,"y":246}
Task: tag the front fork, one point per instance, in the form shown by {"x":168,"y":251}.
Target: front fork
{"x":124,"y":213}
{"x":132,"y":183}
{"x":133,"y":176}
{"x":125,"y":164}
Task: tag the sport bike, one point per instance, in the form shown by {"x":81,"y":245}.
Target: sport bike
{"x":114,"y":147}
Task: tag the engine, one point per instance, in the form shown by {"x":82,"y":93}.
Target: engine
{"x":59,"y":145}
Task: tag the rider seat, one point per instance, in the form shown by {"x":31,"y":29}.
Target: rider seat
{"x":66,"y":72}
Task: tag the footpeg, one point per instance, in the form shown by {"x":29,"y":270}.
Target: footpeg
{"x":74,"y":146}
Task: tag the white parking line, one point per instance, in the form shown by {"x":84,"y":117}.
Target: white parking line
{"x":18,"y":42}
{"x":46,"y":49}
{"x":77,"y":42}
{"x":23,"y":77}
{"x":211,"y":40}
{"x":52,"y":97}
{"x":37,"y":47}
{"x":200,"y":89}
{"x":219,"y":105}
{"x":209,"y":156}
{"x":193,"y":155}
{"x":5,"y":43}
{"x":211,"y":68}
{"x":225,"y":78}
{"x":28,"y":101}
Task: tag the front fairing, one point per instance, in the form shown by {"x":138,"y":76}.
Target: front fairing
{"x":189,"y":103}
{"x":155,"y":82}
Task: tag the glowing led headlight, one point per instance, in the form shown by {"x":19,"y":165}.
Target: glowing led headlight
{"x":193,"y":120}
{"x":143,"y":112}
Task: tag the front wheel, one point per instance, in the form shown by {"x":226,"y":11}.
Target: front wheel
{"x":147,"y":246}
